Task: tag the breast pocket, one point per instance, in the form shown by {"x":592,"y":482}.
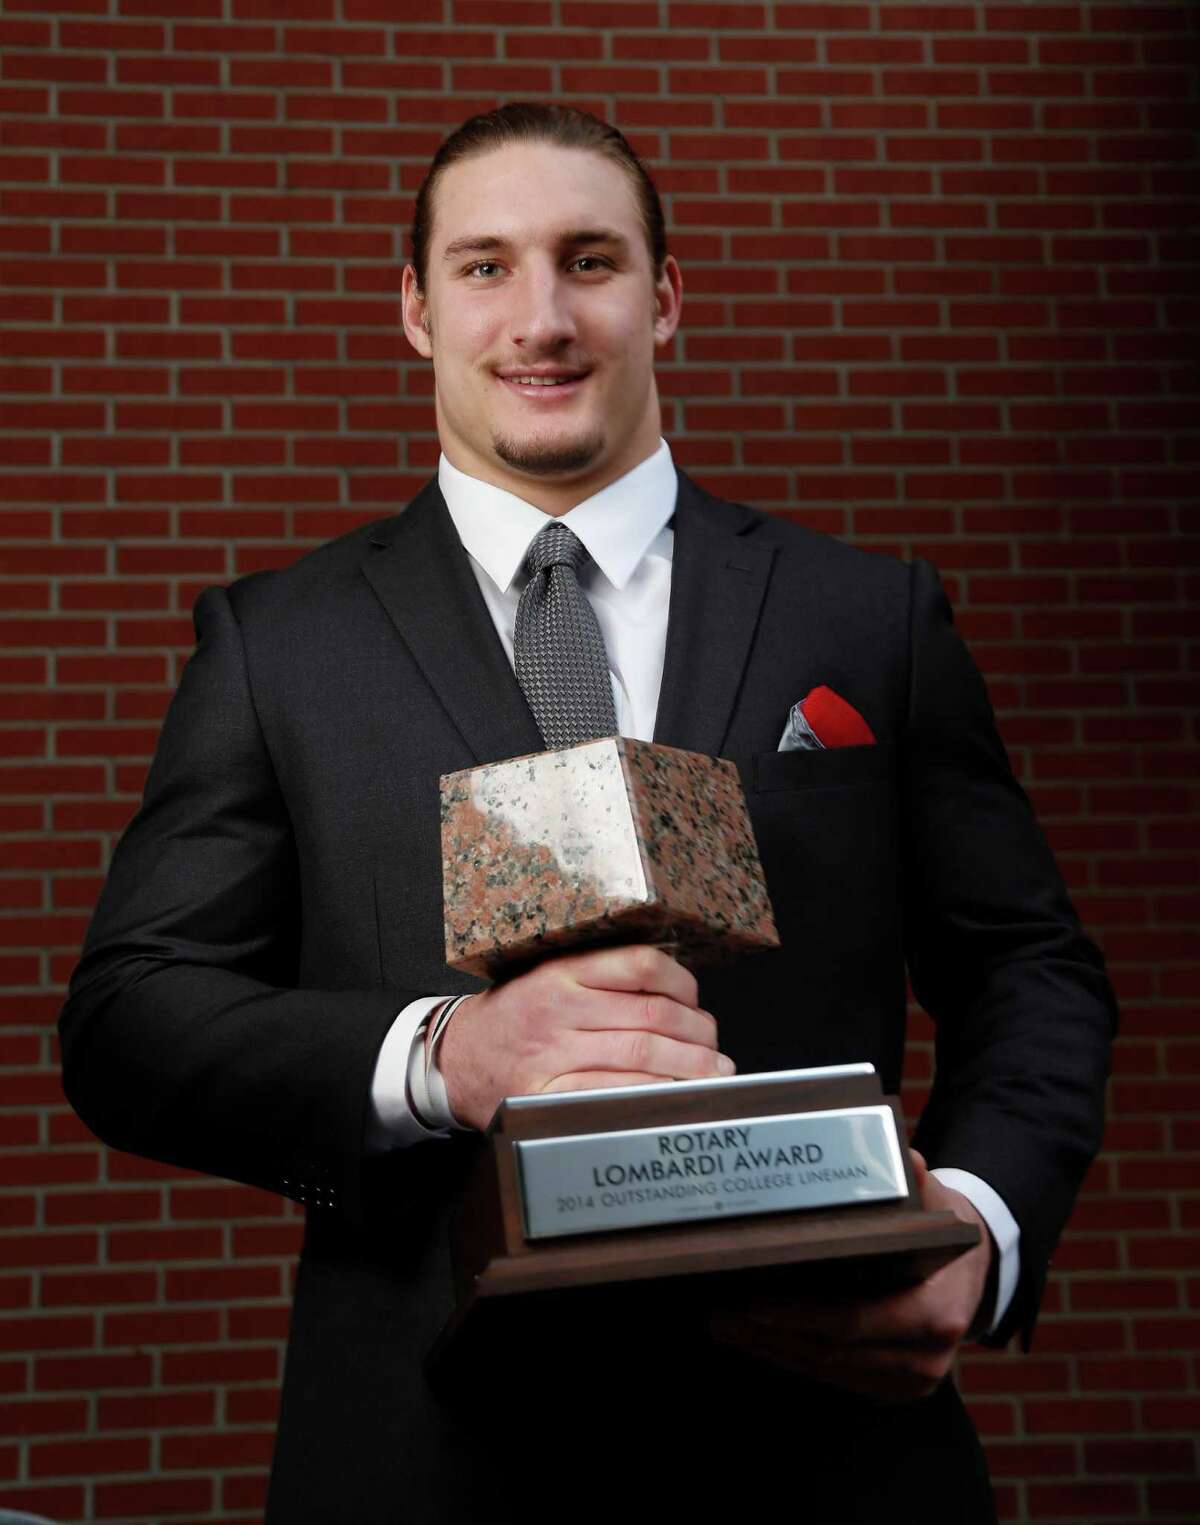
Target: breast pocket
{"x":830,"y":768}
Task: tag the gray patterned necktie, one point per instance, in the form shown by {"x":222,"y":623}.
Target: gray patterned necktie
{"x":557,"y":645}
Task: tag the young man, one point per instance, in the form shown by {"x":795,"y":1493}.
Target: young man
{"x":258,"y":988}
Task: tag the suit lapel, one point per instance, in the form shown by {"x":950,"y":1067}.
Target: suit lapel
{"x":421,"y":574}
{"x":718,"y":580}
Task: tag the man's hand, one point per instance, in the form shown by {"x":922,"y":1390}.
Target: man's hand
{"x":616,"y":1016}
{"x":895,"y":1347}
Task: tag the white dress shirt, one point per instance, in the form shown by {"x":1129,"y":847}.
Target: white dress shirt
{"x":626,"y":529}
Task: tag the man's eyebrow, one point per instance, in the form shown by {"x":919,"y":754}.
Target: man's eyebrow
{"x":489,"y":243}
{"x":579,"y":236}
{"x":474,"y":243}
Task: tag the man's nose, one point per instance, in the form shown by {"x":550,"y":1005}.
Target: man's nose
{"x":542,"y":315}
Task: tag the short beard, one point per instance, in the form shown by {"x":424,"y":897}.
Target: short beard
{"x":538,"y":460}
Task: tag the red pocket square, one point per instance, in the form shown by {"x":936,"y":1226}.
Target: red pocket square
{"x":833,"y":722}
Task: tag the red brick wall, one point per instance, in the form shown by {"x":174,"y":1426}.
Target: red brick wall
{"x":940,"y":272}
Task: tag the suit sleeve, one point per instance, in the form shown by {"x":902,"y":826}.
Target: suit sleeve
{"x":1024,"y":1012}
{"x":183,"y":1035}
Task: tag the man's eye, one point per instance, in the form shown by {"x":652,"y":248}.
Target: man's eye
{"x":587,"y":263}
{"x":483,"y":267}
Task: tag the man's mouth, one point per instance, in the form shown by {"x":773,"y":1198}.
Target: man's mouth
{"x":542,"y":381}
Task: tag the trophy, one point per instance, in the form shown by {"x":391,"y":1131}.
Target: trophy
{"x":746,"y":1179}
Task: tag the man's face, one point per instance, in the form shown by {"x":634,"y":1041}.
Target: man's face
{"x":541,"y":314}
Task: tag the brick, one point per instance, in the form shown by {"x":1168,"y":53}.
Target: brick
{"x":1132,"y":1293}
{"x":204,"y":38}
{"x":280,"y":140}
{"x":259,"y":1322}
{"x":223,"y":1284}
{"x":252,"y":1406}
{"x":767,"y":49}
{"x":110,"y":450}
{"x":19,"y":1211}
{"x":166,"y":137}
{"x":48,"y":1169}
{"x":66,"y":273}
{"x":721,"y":147}
{"x":1173,"y":1252}
{"x":42,"y":1416}
{"x":225,"y":105}
{"x":239,"y":1448}
{"x":31,"y":167}
{"x":935,"y":18}
{"x":159,"y":1244}
{"x":1094,"y":1500}
{"x":891,"y":314}
{"x":282,"y":277}
{"x":157,"y":1411}
{"x":256,"y":1239}
{"x":202,"y":1367}
{"x":1029,"y":1459}
{"x":281,"y":208}
{"x":245,"y":1491}
{"x":1158,"y":85}
{"x":775,"y":115}
{"x":104,"y":1206}
{"x":178,"y":1326}
{"x":1033,"y":18}
{"x":46,"y":1332}
{"x":824,"y":18}
{"x":98,"y":1288}
{"x":191,"y":1203}
{"x":281,"y":73}
{"x":165,"y":1495}
{"x":25,"y":34}
{"x":610,"y":13}
{"x":89,"y":1457}
{"x":1148,"y":147}
{"x":1177,"y":1413}
{"x":56,"y":66}
{"x":16,"y":1292}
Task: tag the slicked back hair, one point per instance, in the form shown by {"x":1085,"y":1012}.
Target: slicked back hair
{"x":535,"y":122}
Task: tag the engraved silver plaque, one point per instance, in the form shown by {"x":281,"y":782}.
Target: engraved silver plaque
{"x":587,"y":1183}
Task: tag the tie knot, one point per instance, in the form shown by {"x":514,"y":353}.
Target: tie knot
{"x":555,"y":546}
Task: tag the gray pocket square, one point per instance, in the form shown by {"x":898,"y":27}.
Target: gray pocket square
{"x":798,"y":735}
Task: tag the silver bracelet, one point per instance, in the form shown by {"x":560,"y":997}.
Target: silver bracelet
{"x":434,"y":1082}
{"x":439,"y":1027}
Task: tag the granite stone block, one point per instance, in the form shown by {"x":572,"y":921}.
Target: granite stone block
{"x":610,"y":841}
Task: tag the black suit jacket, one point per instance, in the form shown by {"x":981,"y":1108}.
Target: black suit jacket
{"x":277,"y":900}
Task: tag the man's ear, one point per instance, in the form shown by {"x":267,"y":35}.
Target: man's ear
{"x":414,"y":309}
{"x":668,"y":302}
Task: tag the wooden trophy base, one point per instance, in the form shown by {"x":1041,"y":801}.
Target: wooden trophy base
{"x":502,"y":1273}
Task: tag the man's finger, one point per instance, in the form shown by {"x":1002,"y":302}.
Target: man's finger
{"x":899,"y":1318}
{"x":633,"y":968}
{"x":640,"y":1012}
{"x":634,"y":1050}
{"x":589,"y":1080}
{"x":889,"y":1371}
{"x":796,"y":1345}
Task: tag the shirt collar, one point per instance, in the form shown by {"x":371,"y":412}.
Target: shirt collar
{"x":618,"y":524}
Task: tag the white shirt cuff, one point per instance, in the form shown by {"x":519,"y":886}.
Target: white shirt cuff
{"x":393,"y":1124}
{"x":992,"y":1208}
